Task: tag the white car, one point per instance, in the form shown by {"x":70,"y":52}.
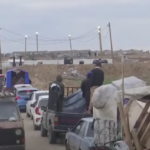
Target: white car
{"x":37,"y":113}
{"x":22,"y":85}
{"x":33,"y":99}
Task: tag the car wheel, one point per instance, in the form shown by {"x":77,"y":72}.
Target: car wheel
{"x":52,"y":136}
{"x":67,"y":146}
{"x":43,"y":131}
{"x":35,"y":126}
{"x":31,"y":117}
{"x":27,"y":114}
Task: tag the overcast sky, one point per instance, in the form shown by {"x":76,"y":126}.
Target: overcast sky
{"x":56,"y":19}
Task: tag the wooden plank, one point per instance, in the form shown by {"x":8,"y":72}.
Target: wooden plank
{"x":136,"y":140}
{"x":125,"y":127}
{"x":144,"y":126}
{"x":127,"y":107}
{"x":138,"y":122}
{"x":146,"y":136}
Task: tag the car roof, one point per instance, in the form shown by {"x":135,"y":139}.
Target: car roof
{"x":90,"y":119}
{"x":7,"y":97}
{"x":21,"y":85}
{"x":27,"y":88}
{"x":37,"y":92}
{"x":44,"y":96}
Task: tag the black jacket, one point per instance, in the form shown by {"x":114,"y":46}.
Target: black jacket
{"x":97,"y":77}
{"x":85,"y":87}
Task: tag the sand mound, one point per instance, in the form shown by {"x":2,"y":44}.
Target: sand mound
{"x":41,"y":75}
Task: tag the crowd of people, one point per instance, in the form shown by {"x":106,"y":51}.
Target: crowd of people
{"x":94,"y":79}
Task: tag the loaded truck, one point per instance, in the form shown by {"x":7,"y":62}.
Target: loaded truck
{"x":54,"y":123}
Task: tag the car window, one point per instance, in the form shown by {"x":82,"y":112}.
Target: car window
{"x":43,"y":102}
{"x":40,"y":94}
{"x":32,"y":95}
{"x":90,"y":132}
{"x":82,"y":130}
{"x":25,"y":92}
{"x":77,"y":128}
{"x":8,"y":111}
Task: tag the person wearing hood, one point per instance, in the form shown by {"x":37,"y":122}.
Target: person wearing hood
{"x":85,"y":87}
{"x":58,"y":81}
{"x":58,"y":87}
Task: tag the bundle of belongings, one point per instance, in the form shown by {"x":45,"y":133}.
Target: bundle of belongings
{"x":106,"y":123}
{"x":75,"y":103}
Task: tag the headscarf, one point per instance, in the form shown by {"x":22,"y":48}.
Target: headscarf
{"x":89,"y":74}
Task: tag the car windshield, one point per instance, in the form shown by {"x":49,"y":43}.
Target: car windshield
{"x":90,"y":132}
{"x":25,"y":92}
{"x":43,"y":102}
{"x":40,"y":94}
{"x":8,"y":112}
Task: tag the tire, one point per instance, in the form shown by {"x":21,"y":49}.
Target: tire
{"x":67,"y":145}
{"x":27,"y":114}
{"x":43,"y":131}
{"x":35,"y":126}
{"x":52,"y":136}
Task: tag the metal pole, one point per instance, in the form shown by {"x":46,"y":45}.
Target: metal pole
{"x":100,"y":41}
{"x":37,"y":44}
{"x":0,"y":55}
{"x":111,"y":42}
{"x":70,"y":42}
{"x":25,"y":45}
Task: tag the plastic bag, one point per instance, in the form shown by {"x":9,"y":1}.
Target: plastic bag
{"x":121,"y":145}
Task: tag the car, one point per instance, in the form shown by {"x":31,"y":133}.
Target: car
{"x":81,"y":137}
{"x":12,"y":133}
{"x":37,"y":113}
{"x":56,"y":122}
{"x":23,"y":95}
{"x":22,"y":86}
{"x":33,"y":98}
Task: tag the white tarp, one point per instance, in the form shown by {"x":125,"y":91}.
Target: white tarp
{"x":104,"y":102}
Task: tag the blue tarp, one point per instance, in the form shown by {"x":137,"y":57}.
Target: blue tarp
{"x":75,"y":103}
{"x":9,"y":77}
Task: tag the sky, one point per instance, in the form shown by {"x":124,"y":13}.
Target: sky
{"x":54,"y":20}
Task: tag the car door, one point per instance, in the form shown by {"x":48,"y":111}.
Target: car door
{"x":79,"y":139}
{"x":74,"y":135}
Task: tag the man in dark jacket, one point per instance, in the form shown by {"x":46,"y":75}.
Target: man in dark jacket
{"x":58,"y":82}
{"x":97,"y":75}
{"x":86,"y":87}
{"x":97,"y":80}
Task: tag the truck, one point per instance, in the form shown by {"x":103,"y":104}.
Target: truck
{"x":54,"y":123}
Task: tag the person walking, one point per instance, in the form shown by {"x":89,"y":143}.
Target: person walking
{"x":86,"y":89}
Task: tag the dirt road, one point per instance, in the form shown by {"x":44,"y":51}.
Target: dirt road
{"x":35,"y":142}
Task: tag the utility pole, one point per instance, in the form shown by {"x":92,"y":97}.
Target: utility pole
{"x":0,"y":57}
{"x":100,"y":40}
{"x":70,"y":42}
{"x":37,"y":41}
{"x":111,"y":42}
{"x":25,"y":45}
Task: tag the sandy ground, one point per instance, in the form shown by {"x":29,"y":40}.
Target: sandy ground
{"x":35,"y":142}
{"x":42,"y":75}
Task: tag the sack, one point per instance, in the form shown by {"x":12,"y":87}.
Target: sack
{"x":102,"y":94}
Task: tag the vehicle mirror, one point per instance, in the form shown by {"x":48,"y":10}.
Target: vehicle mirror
{"x":43,"y":108}
{"x":70,"y":129}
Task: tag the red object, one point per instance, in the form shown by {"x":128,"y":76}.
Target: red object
{"x":28,"y":90}
{"x":37,"y":111}
{"x":37,"y":119}
{"x":1,"y":75}
{"x":56,"y":120}
{"x":23,"y":141}
{"x":17,"y":98}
